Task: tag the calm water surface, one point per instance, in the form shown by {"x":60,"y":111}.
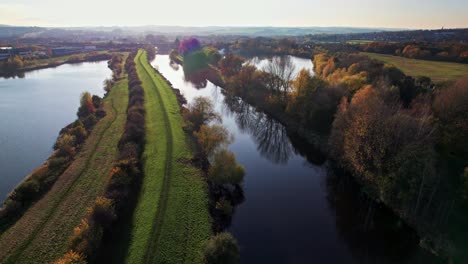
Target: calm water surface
{"x":33,"y":109}
{"x":295,"y":211}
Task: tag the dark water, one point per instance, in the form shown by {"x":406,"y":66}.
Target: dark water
{"x":33,"y":109}
{"x":295,"y":209}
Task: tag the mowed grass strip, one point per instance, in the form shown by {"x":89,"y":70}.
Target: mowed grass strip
{"x":436,"y":70}
{"x":41,"y":235}
{"x":171,"y":222}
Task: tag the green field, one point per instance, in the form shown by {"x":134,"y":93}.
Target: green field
{"x":171,"y":221}
{"x":41,"y":234}
{"x":436,"y":70}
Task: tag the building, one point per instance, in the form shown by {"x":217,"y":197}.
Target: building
{"x":61,"y":51}
{"x":5,"y":53}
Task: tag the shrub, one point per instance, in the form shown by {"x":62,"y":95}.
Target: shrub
{"x":90,"y":121}
{"x":71,"y":257}
{"x":103,"y":212}
{"x":80,"y":133}
{"x":65,"y":145}
{"x":222,"y":248}
{"x":56,"y":162}
{"x":86,"y":237}
{"x":27,"y":190}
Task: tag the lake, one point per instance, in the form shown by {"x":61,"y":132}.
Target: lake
{"x":33,"y":110}
{"x":295,"y":209}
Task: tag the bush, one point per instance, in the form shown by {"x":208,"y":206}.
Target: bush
{"x":80,"y":133}
{"x":90,"y":121}
{"x":86,"y":237}
{"x":222,"y":248}
{"x":103,"y":212}
{"x":56,"y":162}
{"x":71,"y":257}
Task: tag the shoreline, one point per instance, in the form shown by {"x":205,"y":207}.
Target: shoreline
{"x":87,"y":58}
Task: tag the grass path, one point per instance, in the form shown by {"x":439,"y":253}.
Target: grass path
{"x":171,"y":221}
{"x":436,"y":70}
{"x":41,"y":235}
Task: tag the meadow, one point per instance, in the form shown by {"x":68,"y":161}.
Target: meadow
{"x":436,"y":70}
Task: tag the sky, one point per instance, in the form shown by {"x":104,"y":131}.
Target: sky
{"x":417,"y":14}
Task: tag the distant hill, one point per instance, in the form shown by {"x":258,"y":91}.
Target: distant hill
{"x":14,"y":31}
{"x":7,"y":31}
{"x":246,"y":31}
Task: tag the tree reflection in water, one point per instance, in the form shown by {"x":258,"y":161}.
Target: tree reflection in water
{"x":371,"y":231}
{"x":269,"y":135}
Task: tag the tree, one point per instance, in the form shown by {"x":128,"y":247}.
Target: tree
{"x":211,"y":138}
{"x":65,"y":145}
{"x":451,"y":107}
{"x":225,"y":169}
{"x":222,"y":248}
{"x":231,"y":65}
{"x":212,"y":55}
{"x":200,"y":111}
{"x":281,"y":70}
{"x":108,"y":83}
{"x":86,"y":105}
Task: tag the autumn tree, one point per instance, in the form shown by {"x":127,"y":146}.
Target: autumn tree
{"x":451,"y":107}
{"x":386,"y":147}
{"x":211,"y":138}
{"x":200,"y":111}
{"x":231,"y":65}
{"x":225,"y":169}
{"x":86,"y":105}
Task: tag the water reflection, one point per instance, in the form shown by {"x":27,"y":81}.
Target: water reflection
{"x":269,"y":135}
{"x":371,"y":231}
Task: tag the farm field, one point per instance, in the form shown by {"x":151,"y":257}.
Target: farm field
{"x":438,"y":71}
{"x":41,"y":234}
{"x":171,"y":221}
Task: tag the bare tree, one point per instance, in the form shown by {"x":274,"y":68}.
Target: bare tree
{"x":281,"y":70}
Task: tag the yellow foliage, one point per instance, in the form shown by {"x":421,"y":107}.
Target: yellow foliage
{"x":71,"y":257}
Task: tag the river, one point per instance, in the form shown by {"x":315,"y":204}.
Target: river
{"x":34,"y":108}
{"x":295,"y":210}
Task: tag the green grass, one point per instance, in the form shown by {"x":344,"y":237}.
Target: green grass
{"x":171,"y":221}
{"x":41,"y":234}
{"x":437,"y":71}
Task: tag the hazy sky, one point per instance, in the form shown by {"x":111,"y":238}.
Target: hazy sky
{"x":354,"y":13}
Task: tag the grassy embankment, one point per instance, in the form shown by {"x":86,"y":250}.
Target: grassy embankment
{"x":436,"y":70}
{"x":41,"y":234}
{"x":171,"y":221}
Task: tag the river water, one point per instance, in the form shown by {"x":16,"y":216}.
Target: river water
{"x":295,"y":210}
{"x":33,"y":110}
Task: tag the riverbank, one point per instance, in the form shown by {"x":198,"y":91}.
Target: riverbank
{"x":41,"y":234}
{"x":55,"y":62}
